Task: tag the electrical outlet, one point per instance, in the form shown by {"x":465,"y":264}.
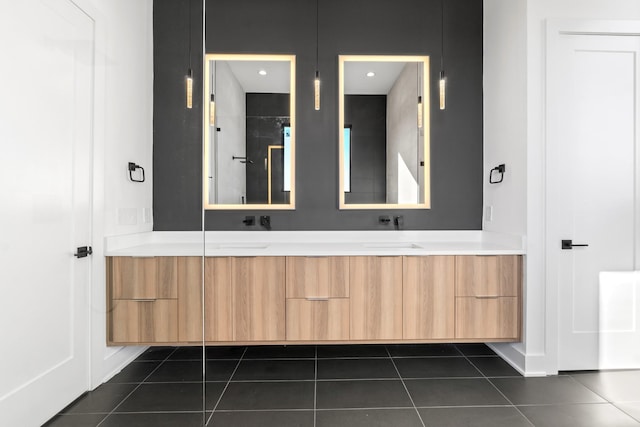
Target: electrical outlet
{"x":488,"y":213}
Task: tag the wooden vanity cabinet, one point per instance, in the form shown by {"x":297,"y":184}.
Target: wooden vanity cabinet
{"x":428,"y":306}
{"x":159,"y":300}
{"x":143,"y":302}
{"x":376,"y":297}
{"x":488,"y":297}
{"x":317,"y":298}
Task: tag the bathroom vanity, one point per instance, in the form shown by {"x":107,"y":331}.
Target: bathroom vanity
{"x":313,"y":287}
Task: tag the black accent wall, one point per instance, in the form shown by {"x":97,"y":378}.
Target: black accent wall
{"x":409,"y":27}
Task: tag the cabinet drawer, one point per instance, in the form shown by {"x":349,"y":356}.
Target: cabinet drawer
{"x":309,"y":277}
{"x":140,"y":278}
{"x":487,"y":318}
{"x":318,"y":320}
{"x":144,"y":321}
{"x":488,"y":276}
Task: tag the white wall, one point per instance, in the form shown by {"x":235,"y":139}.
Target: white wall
{"x":122,"y":134}
{"x":503,"y":25}
{"x":505,"y":124}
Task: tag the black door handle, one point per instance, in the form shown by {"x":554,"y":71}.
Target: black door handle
{"x":568,"y":244}
{"x":83,"y":252}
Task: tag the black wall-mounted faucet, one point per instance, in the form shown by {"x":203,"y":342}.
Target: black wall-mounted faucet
{"x":249,"y":220}
{"x":398,"y":221}
{"x":265,"y":221}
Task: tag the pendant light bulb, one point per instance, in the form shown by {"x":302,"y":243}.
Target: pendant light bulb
{"x":212,"y":110}
{"x":443,"y":89}
{"x":420,"y":112}
{"x":316,"y":85}
{"x":189,"y":89}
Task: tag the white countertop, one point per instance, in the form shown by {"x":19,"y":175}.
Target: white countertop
{"x":313,"y":243}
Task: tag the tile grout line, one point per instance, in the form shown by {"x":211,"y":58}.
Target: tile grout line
{"x":497,"y":389}
{"x":606,"y":401}
{"x":226,"y":386}
{"x":405,"y":388}
{"x":137,"y":387}
{"x":315,"y":389}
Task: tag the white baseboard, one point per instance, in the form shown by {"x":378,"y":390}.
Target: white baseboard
{"x":527,"y":365}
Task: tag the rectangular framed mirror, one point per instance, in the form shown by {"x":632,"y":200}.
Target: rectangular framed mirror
{"x":249,"y":132}
{"x":384,"y":132}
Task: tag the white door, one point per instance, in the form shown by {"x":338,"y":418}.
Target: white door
{"x":46,"y":86}
{"x":592,"y":181}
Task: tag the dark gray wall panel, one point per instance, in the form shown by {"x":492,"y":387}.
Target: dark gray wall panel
{"x":346,"y":27}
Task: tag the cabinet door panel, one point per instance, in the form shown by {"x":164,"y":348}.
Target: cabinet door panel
{"x":190,"y":299}
{"x":259,"y":298}
{"x":428,"y":297}
{"x":318,"y":320}
{"x":317,"y":277}
{"x":145,"y":321}
{"x":487,"y":318}
{"x":488,"y":276}
{"x":219,"y":297}
{"x":376,"y":297}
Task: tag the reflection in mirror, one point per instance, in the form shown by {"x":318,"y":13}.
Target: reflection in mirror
{"x":384,"y":132}
{"x":249,"y":135}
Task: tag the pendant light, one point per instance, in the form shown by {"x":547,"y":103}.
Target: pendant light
{"x":443,"y":81}
{"x":316,"y":82}
{"x":189,"y":81}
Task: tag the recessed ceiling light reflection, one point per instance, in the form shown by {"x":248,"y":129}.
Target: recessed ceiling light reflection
{"x":262,"y":72}
{"x":371,"y":74}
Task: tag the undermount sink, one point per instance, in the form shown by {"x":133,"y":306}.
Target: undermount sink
{"x":392,"y":245}
{"x":243,"y":246}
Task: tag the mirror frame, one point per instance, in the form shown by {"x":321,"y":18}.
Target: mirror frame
{"x":206,"y":164}
{"x":425,"y":130}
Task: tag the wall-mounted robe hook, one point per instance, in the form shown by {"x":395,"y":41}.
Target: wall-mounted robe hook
{"x":497,"y":170}
{"x":132,"y":168}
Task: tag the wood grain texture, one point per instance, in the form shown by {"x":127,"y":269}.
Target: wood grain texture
{"x":376,"y":297}
{"x":189,"y":271}
{"x":487,"y":276}
{"x":134,"y":278}
{"x":488,"y":318}
{"x":145,"y":278}
{"x":318,"y":320}
{"x":258,"y":298}
{"x":428,"y":297}
{"x":317,"y":277}
{"x":167,"y":277}
{"x":145,"y":321}
{"x":219,"y":307}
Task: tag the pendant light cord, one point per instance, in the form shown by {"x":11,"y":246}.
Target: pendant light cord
{"x":317,"y":34}
{"x":441,"y":38}
{"x":189,"y":29}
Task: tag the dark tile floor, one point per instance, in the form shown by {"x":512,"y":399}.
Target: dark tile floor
{"x":369,"y":385}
